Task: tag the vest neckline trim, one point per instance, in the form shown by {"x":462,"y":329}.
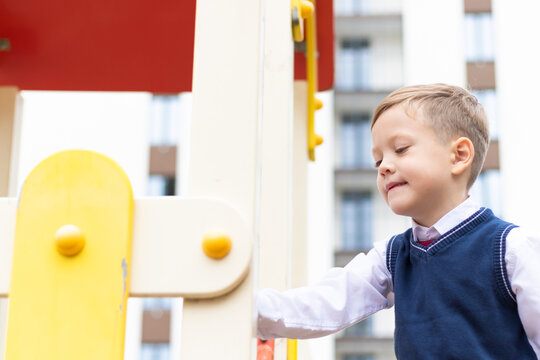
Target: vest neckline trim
{"x":456,"y":232}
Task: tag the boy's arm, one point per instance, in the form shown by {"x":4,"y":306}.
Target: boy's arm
{"x":343,"y":297}
{"x":523,"y":269}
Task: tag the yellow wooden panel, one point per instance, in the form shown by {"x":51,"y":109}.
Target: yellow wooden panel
{"x":74,"y":307}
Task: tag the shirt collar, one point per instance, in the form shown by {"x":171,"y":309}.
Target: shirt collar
{"x":446,"y":223}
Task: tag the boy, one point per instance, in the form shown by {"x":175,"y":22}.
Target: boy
{"x":465,"y":284}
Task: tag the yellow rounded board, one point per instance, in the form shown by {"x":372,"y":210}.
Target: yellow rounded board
{"x":71,"y":306}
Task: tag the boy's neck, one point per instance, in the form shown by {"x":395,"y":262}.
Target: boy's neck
{"x":431,"y":218}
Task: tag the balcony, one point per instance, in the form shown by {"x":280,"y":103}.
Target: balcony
{"x":367,"y":25}
{"x":357,"y":178}
{"x":382,"y":347}
{"x":366,"y":7}
{"x":358,"y":100}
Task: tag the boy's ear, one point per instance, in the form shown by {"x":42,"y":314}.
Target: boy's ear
{"x":462,"y":155}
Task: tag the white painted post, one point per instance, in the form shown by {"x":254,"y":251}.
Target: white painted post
{"x":225,"y":160}
{"x":276,"y":217}
{"x":10,"y":106}
{"x":300,"y":192}
{"x":516,"y":65}
{"x":298,"y":252}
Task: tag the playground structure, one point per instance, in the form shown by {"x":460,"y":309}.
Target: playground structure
{"x":249,"y":146}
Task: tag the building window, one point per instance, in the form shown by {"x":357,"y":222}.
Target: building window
{"x":159,"y":185}
{"x":486,"y":191}
{"x":362,"y":328}
{"x":351,"y":7}
{"x":155,"y":352}
{"x":354,"y":65}
{"x":155,"y":303}
{"x":356,"y":228}
{"x":165,"y":120}
{"x":358,"y":357}
{"x":356,"y":141}
{"x":488,"y":98}
{"x":479,"y":37}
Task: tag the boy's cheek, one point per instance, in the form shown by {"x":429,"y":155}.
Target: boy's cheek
{"x":382,"y":192}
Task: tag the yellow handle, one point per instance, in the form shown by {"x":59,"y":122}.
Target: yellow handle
{"x":291,"y":349}
{"x":311,"y":69}
{"x":300,"y":10}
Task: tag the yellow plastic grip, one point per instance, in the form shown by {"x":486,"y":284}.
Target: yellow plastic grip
{"x":216,"y":246}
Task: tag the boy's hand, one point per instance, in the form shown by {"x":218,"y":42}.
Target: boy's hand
{"x":265,"y":349}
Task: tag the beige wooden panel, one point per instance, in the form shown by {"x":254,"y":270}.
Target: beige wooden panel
{"x":299,"y":194}
{"x":277,"y":139}
{"x":276,"y":216}
{"x":299,"y":199}
{"x":167,"y":257}
{"x":224,"y":159}
{"x":9,"y":97}
{"x":9,"y":148}
{"x":8,"y":215}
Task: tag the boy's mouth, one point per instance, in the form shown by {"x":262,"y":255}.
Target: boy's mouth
{"x":393,"y":185}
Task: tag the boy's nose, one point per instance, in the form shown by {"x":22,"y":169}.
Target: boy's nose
{"x":386,"y":167}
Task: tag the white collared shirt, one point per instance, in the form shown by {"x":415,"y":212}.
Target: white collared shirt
{"x":446,"y":223}
{"x":364,"y":286}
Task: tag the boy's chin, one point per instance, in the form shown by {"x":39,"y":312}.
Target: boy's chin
{"x":399,"y":209}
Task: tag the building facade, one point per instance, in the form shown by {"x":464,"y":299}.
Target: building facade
{"x":381,"y":46}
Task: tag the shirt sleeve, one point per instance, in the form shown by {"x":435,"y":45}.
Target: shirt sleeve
{"x":523,"y":268}
{"x":341,"y":298}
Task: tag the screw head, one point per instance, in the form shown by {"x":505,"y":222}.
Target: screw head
{"x":69,"y":240}
{"x":216,"y":246}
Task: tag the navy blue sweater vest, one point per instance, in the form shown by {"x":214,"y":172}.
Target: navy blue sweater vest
{"x":453,"y":298}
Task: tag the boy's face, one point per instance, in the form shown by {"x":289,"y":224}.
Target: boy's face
{"x":414,"y":166}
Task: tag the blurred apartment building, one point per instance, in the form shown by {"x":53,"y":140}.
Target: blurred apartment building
{"x":167,"y":115}
{"x":382,"y":45}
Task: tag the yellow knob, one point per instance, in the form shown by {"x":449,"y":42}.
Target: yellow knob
{"x":69,"y":240}
{"x":318,"y":104}
{"x":216,"y":246}
{"x":318,"y":140}
{"x":306,"y":9}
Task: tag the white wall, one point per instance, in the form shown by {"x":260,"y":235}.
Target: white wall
{"x":384,"y":7}
{"x":387,"y":61}
{"x":371,"y":7}
{"x":433,"y":42}
{"x":516,"y":60}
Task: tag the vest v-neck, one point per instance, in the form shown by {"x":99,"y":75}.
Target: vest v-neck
{"x":451,"y":235}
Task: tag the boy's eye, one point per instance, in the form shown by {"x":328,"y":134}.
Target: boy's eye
{"x":377,"y":163}
{"x":401,"y":150}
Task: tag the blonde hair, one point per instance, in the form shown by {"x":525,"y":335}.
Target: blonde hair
{"x":451,"y":111}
